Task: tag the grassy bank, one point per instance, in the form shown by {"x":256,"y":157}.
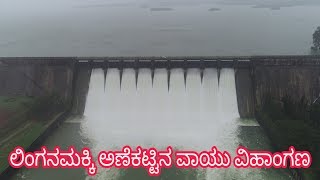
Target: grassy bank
{"x":13,"y":112}
{"x":293,"y":123}
{"x":23,"y":139}
{"x":25,"y":119}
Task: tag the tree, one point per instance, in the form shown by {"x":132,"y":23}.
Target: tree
{"x":316,"y":41}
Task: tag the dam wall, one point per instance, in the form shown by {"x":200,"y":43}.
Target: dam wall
{"x":245,"y":92}
{"x":255,"y":76}
{"x":296,"y":82}
{"x":81,"y":90}
{"x":277,"y":78}
{"x":36,"y":80}
{"x":278,"y":81}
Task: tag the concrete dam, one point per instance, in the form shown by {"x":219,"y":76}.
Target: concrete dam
{"x":187,"y":102}
{"x":255,"y":76}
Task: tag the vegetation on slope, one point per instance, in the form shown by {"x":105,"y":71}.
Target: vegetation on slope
{"x":27,"y":121}
{"x":288,"y":122}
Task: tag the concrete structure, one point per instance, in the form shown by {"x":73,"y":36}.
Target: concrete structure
{"x":256,"y":76}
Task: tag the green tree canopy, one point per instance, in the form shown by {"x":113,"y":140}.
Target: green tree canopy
{"x":316,"y":40}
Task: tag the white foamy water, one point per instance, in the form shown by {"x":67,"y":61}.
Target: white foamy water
{"x":191,"y":114}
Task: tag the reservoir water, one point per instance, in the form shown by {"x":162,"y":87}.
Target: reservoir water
{"x":187,"y":113}
{"x":157,"y":27}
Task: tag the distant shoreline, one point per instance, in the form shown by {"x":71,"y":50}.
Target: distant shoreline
{"x":161,"y":9}
{"x":214,"y":9}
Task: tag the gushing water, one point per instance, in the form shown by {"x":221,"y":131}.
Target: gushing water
{"x":184,"y":112}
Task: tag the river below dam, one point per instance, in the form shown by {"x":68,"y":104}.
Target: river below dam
{"x":186,"y":113}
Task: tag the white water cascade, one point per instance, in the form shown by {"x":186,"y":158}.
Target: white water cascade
{"x":187,"y":113}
